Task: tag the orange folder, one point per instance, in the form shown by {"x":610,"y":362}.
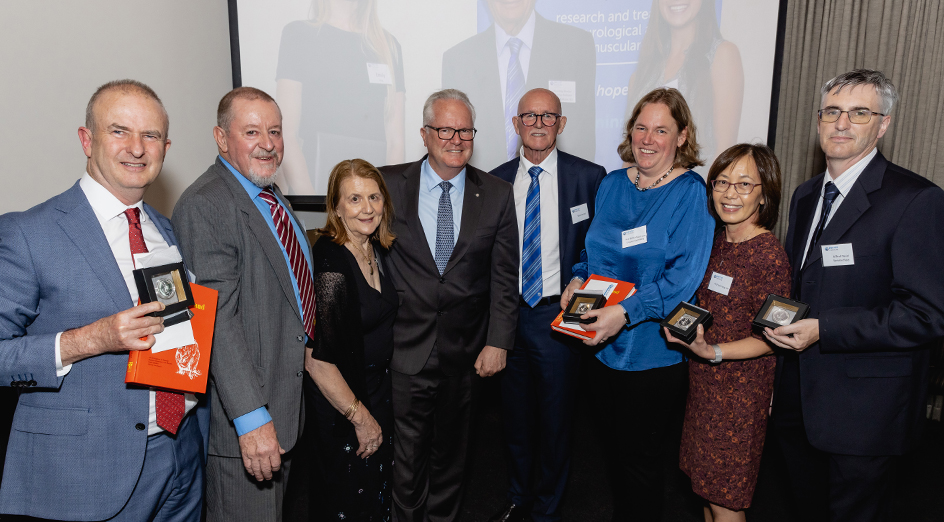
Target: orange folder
{"x":622,"y":291}
{"x":186,"y":368}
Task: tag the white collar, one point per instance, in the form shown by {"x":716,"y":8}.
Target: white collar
{"x":105,"y":205}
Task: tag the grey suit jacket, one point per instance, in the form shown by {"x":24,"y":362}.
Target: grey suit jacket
{"x":77,"y":445}
{"x":259,"y":341}
{"x":475,"y":301}
{"x":472,"y":67}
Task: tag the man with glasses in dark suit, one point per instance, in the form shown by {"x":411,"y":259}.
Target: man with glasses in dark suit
{"x":866,"y":241}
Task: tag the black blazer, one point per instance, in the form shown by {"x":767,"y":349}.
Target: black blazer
{"x":863,"y":385}
{"x":475,"y":302}
{"x":577,"y":183}
{"x":472,"y":67}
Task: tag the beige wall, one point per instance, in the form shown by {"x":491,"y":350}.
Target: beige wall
{"x":55,"y":53}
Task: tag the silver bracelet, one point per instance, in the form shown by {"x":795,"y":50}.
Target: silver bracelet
{"x":717,"y":358}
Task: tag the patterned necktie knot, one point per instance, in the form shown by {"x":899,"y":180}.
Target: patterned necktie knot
{"x":534,"y":172}
{"x":515,"y":45}
{"x":831,"y":192}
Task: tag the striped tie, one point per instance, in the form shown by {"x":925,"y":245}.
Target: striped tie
{"x":532,"y":279}
{"x":306,"y":287}
{"x":514,"y":89}
{"x":445,"y":241}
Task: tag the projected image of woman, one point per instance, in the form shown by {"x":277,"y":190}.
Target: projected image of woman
{"x":340,"y":87}
{"x":683,"y":48}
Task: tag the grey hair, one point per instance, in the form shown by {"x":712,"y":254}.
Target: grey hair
{"x":446,"y":94}
{"x":126,"y":86}
{"x":883,"y":86}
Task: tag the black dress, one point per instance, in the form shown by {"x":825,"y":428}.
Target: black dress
{"x":354,"y":330}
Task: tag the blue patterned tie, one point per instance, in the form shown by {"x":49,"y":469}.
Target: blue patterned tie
{"x":532,"y":279}
{"x":444,"y":232}
{"x":829,"y":195}
{"x":514,"y":89}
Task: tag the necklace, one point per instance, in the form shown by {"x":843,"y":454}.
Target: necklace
{"x":654,"y":184}
{"x":747,"y":236}
{"x":368,"y":259}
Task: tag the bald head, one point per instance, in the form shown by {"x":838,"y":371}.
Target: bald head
{"x":540,"y":125}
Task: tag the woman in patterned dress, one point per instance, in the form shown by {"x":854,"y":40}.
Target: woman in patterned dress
{"x":727,"y":407}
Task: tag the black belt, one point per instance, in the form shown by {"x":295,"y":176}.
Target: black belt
{"x":544,"y":301}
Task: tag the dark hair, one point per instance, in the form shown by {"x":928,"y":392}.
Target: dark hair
{"x":224,"y":111}
{"x":768,"y":168}
{"x":883,"y":86}
{"x":126,"y":86}
{"x":686,"y":155}
{"x":334,"y":228}
{"x":695,"y":73}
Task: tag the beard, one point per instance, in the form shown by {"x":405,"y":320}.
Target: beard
{"x":263,"y":180}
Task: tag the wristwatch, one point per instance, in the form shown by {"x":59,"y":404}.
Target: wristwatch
{"x":717,"y":358}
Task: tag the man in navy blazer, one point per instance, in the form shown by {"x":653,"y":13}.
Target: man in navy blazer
{"x":851,"y":390}
{"x":540,"y":380}
{"x":84,"y":445}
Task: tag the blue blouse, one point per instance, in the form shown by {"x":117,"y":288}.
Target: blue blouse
{"x":666,"y":269}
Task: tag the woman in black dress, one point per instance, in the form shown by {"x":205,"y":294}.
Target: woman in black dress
{"x":349,"y":386}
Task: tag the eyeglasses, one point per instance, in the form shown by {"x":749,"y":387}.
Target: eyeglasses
{"x":446,"y":133}
{"x":858,"y":116}
{"x":742,"y":187}
{"x":530,"y":118}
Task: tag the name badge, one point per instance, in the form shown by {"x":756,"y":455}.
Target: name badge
{"x":838,"y":255}
{"x":720,"y":283}
{"x":379,"y":73}
{"x":634,"y":236}
{"x":579,"y":213}
{"x":565,"y":90}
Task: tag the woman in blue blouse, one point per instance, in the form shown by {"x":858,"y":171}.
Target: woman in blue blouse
{"x":651,"y":228}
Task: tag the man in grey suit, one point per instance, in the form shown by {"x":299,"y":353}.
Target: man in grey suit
{"x":455,"y":267}
{"x":522,"y":51}
{"x":242,"y":239}
{"x":85,"y":445}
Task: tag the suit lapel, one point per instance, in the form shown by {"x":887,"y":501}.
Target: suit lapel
{"x":805,"y":209}
{"x":471,"y":209}
{"x":81,"y":226}
{"x":411,"y":203}
{"x":565,"y":188}
{"x":259,"y":229}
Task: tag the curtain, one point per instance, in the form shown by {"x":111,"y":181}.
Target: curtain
{"x":902,"y":38}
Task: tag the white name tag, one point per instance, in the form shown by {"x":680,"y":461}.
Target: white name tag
{"x":838,"y":255}
{"x":720,"y":283}
{"x":379,"y":73}
{"x":635,"y":236}
{"x":566,"y":91}
{"x":579,"y":213}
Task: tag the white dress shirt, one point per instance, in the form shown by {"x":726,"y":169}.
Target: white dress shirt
{"x":844,"y":183}
{"x":550,"y":214}
{"x":526,"y":35}
{"x":110,"y":213}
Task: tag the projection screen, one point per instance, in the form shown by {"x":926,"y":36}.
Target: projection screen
{"x":351,"y":76}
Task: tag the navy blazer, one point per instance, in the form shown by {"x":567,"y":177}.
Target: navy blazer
{"x":77,"y":444}
{"x":863,"y":385}
{"x":577,"y":183}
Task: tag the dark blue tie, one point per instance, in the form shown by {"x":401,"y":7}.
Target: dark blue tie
{"x":514,"y":89}
{"x":532,"y":279}
{"x":829,"y":195}
{"x":444,"y":231}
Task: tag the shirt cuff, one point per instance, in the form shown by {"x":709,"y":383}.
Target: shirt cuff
{"x":252,"y":420}
{"x":61,"y":371}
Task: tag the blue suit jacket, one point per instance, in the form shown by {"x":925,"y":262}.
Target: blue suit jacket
{"x":77,"y":444}
{"x":577,"y":183}
{"x":863,"y":385}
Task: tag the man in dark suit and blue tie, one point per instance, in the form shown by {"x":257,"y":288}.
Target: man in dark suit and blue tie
{"x":85,"y":445}
{"x":866,"y":241}
{"x":554,"y":202}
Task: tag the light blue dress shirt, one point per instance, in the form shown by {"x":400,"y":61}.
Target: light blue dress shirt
{"x":429,"y":203}
{"x":256,"y":418}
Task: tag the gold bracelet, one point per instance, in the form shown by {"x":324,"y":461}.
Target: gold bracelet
{"x":357,"y":404}
{"x":351,"y":409}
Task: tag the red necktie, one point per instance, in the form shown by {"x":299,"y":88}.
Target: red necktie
{"x":306,"y":287}
{"x":169,"y":405}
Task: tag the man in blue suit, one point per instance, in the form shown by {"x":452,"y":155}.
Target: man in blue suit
{"x":554,"y":202}
{"x":866,"y":241}
{"x":84,"y":445}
